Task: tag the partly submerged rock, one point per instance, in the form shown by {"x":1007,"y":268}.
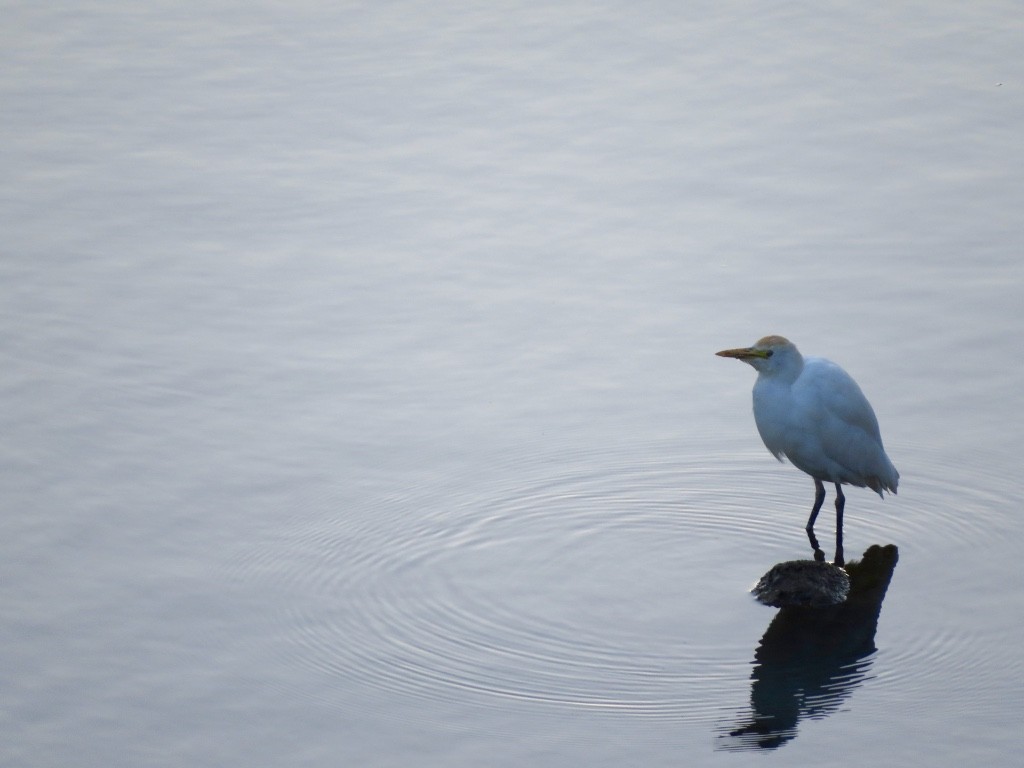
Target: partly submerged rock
{"x":806,"y":583}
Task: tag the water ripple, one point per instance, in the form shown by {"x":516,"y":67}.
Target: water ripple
{"x":590,"y":586}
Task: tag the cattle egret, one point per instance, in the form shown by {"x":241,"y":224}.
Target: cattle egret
{"x":812,"y":412}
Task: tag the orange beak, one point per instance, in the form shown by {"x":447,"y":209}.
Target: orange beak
{"x":743,"y":354}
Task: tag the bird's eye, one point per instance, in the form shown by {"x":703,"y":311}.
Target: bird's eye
{"x":769,"y":353}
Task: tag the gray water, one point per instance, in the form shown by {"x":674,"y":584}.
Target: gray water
{"x":359,"y":400}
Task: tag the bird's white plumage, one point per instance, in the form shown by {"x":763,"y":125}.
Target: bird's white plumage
{"x":812,"y":412}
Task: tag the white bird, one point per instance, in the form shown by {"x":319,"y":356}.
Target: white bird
{"x":812,"y":412}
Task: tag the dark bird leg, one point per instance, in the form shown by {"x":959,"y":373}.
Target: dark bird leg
{"x":819,"y":499}
{"x":840,"y":504}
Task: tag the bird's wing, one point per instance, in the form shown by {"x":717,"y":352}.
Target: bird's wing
{"x":845,"y":425}
{"x":840,"y":397}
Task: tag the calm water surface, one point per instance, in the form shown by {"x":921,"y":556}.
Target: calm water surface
{"x":360,"y":407}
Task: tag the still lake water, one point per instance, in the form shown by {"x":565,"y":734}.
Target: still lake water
{"x":360,"y":407}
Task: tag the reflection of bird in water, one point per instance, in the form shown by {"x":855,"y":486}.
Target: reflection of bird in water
{"x":811,"y":659}
{"x":812,"y":412}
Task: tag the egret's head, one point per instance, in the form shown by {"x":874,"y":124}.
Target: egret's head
{"x":770,"y":354}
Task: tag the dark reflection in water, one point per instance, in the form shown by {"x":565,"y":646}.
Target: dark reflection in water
{"x":811,"y":659}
